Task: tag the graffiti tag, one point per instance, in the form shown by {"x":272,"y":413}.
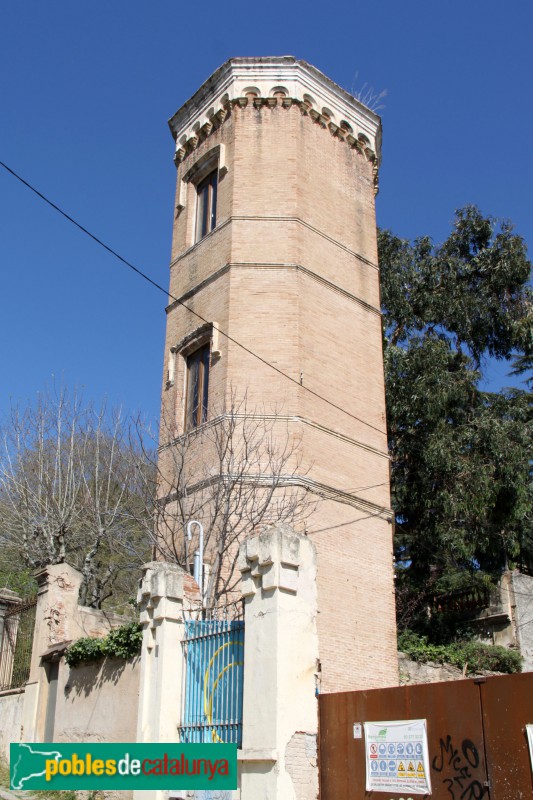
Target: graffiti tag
{"x":459,"y":769}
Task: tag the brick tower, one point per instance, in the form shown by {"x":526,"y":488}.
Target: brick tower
{"x":274,"y":244}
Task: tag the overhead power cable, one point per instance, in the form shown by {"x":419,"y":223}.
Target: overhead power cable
{"x":365,"y":488}
{"x":350,"y":522}
{"x":180,"y":302}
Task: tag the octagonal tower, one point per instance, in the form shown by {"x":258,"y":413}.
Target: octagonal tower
{"x":274,"y":295}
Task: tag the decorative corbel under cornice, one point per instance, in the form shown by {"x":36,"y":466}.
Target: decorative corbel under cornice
{"x":276,"y":82}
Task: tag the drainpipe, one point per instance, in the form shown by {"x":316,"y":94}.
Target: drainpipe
{"x":198,"y":569}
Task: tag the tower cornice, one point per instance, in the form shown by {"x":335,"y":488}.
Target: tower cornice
{"x":269,"y":82}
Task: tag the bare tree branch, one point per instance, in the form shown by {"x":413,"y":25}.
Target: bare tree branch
{"x":70,"y":490}
{"x":235,"y":474}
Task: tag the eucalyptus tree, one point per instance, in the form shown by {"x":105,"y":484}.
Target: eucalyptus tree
{"x":461,"y":456}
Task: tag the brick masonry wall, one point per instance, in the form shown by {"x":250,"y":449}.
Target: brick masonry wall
{"x":301,"y":764}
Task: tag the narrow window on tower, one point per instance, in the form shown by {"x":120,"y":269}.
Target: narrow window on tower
{"x":197,"y":387}
{"x":206,"y":205}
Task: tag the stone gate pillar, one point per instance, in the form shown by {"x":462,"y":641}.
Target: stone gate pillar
{"x":56,"y":625}
{"x":278,"y":760}
{"x":161,"y":595}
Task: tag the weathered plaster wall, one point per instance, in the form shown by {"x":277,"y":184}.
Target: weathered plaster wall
{"x":59,"y":620}
{"x":282,"y":672}
{"x":98,"y":702}
{"x":523,"y":599}
{"x":11,"y":704}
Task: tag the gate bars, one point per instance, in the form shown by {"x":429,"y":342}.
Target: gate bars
{"x":16,"y":644}
{"x":213,"y":677}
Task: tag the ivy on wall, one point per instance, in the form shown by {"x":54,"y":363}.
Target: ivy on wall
{"x":124,"y":642}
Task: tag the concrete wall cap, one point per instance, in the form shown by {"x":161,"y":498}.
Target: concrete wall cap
{"x":7,"y":596}
{"x":161,"y":580}
{"x":278,"y":544}
{"x":251,"y":754}
{"x":271,"y":560}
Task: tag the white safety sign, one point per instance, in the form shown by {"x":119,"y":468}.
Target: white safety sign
{"x":397,"y":758}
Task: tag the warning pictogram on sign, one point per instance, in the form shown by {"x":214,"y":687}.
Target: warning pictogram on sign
{"x":397,"y":757}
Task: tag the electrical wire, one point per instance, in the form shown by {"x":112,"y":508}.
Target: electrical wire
{"x":527,"y":622}
{"x":180,"y":302}
{"x":523,"y":594}
{"x":158,"y":286}
{"x":350,"y":522}
{"x":365,"y":488}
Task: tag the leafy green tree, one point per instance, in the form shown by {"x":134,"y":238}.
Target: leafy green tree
{"x":472,"y":289}
{"x":461,"y":476}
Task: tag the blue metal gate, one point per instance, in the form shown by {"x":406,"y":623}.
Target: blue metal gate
{"x":214,"y":669}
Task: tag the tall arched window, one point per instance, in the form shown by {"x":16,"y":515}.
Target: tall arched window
{"x":197,"y":386}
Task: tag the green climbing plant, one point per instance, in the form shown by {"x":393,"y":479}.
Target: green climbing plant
{"x":123,"y":642}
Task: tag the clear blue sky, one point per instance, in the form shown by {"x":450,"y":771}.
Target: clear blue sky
{"x":86,"y":90}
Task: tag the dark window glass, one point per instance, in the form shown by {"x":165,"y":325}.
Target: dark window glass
{"x":206,"y":209}
{"x":197,"y":387}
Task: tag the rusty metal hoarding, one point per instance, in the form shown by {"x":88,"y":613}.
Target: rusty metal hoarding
{"x":476,"y":734}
